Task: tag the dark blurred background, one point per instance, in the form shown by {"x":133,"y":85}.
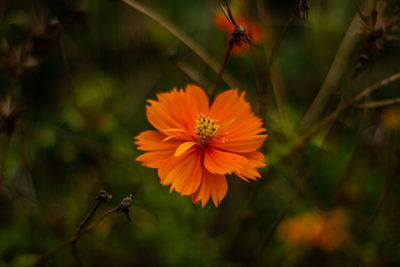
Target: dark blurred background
{"x":74,"y":79}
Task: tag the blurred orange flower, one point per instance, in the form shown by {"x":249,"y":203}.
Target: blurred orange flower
{"x":390,"y":118}
{"x":314,"y":229}
{"x":196,"y":145}
{"x":252,"y":30}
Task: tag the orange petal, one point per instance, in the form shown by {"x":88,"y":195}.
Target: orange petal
{"x":239,"y":127}
{"x":183,"y":173}
{"x":189,"y":184}
{"x":153,"y":159}
{"x":153,"y":141}
{"x":221,"y":162}
{"x":227,"y":106}
{"x":256,"y":160}
{"x":213,"y":185}
{"x":234,"y":115}
{"x":178,"y":110}
{"x":160,"y":116}
{"x":183,"y":148}
{"x":199,"y":98}
{"x":244,"y":144}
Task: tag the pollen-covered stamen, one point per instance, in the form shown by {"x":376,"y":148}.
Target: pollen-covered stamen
{"x":206,"y":129}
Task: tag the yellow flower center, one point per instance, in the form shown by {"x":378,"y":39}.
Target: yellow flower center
{"x":206,"y":129}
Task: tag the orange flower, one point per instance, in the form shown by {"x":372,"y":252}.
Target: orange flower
{"x":252,"y":30}
{"x":196,"y":145}
{"x":390,"y":118}
{"x":312,"y":229}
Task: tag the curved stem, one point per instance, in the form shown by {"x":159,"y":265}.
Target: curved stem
{"x":45,"y":257}
{"x":217,"y":82}
{"x":278,"y":92}
{"x":197,"y":49}
{"x":81,"y":226}
{"x":381,"y":103}
{"x":91,"y":213}
{"x":333,"y":116}
{"x":3,"y":155}
{"x":334,"y":75}
{"x":278,"y":41}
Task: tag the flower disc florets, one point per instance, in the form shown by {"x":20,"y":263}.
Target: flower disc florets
{"x":206,"y":129}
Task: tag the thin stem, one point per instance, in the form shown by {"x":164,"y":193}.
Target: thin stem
{"x":94,"y":224}
{"x":346,"y":92}
{"x":67,"y":69}
{"x":218,"y":81}
{"x":197,"y":49}
{"x":45,"y":257}
{"x":3,"y":155}
{"x":76,"y":254}
{"x":378,"y":104}
{"x":278,"y":41}
{"x":332,"y":117}
{"x":334,"y":75}
{"x":258,"y":77}
{"x":278,"y":92}
{"x":91,"y":213}
{"x":81,"y":226}
{"x":378,"y":85}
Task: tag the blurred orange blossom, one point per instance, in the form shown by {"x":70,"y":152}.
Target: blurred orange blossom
{"x":327,"y":231}
{"x":195,"y":145}
{"x":390,"y":118}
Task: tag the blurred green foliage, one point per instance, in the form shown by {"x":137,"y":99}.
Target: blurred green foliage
{"x":78,"y":74}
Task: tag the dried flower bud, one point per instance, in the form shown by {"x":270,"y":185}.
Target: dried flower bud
{"x":126,"y":204}
{"x":379,"y":27}
{"x":104,"y":196}
{"x":302,"y":8}
{"x":9,"y":113}
{"x":18,"y":58}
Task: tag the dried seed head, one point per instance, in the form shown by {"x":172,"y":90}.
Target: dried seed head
{"x":302,"y":8}
{"x":16,"y":59}
{"x":380,"y":27}
{"x":9,"y":113}
{"x":126,"y":204}
{"x":104,"y":196}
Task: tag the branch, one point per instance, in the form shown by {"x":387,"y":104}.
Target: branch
{"x":334,"y":115}
{"x":45,"y":257}
{"x":103,"y":196}
{"x":378,"y":85}
{"x":334,"y":75}
{"x":378,"y":104}
{"x":3,"y":156}
{"x":123,"y":207}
